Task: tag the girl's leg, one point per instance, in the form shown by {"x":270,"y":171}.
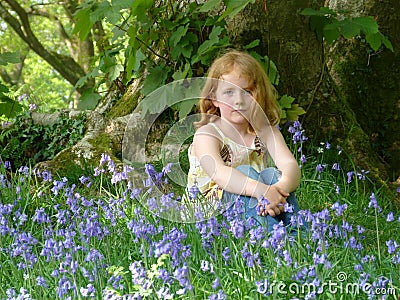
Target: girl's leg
{"x":251,"y":203}
{"x":272,"y":175}
{"x":268,"y":176}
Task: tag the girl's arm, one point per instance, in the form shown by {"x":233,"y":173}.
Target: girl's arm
{"x":206,"y":147}
{"x":283,"y":159}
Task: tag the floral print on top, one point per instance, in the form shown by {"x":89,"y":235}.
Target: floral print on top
{"x":233,"y":155}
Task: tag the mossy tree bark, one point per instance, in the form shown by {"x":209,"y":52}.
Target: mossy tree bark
{"x":341,"y":86}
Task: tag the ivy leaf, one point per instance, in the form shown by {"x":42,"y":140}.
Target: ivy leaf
{"x":88,"y":100}
{"x":317,"y":24}
{"x":374,"y":40}
{"x":348,"y":28}
{"x":177,"y":35}
{"x":209,"y":5}
{"x":122,"y":4}
{"x":207,"y":45}
{"x":185,"y":107}
{"x":114,"y":71}
{"x":140,"y":7}
{"x":286,"y":101}
{"x":367,"y":24}
{"x":386,"y":42}
{"x":99,"y":11}
{"x":331,"y":32}
{"x":253,"y":44}
{"x":9,"y":107}
{"x":294,"y":112}
{"x":233,"y":7}
{"x":155,"y":79}
{"x":83,"y":24}
{"x":9,"y":58}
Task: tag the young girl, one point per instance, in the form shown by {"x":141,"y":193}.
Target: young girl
{"x":235,"y":139}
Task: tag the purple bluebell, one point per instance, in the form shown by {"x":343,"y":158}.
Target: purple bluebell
{"x":218,"y":296}
{"x":390,"y":217}
{"x":89,"y":291}
{"x":392,"y":246}
{"x":215,"y":284}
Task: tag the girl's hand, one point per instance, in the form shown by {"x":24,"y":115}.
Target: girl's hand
{"x":273,"y":201}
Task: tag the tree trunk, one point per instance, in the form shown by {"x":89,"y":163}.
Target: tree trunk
{"x":331,"y":102}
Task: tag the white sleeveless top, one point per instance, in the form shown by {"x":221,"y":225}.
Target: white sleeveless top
{"x":233,"y":155}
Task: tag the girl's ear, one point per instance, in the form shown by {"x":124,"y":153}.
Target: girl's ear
{"x":215,"y":103}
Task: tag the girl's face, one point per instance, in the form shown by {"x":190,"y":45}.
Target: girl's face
{"x":234,"y":98}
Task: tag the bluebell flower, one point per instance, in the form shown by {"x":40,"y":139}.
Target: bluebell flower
{"x":164,"y":293}
{"x":373,"y":203}
{"x":218,"y":296}
{"x":41,"y":281}
{"x":237,"y":228}
{"x":392,"y":246}
{"x":89,"y":291}
{"x":350,"y":175}
{"x":206,"y":266}
{"x":390,"y":217}
{"x":215,"y":284}
{"x":182,"y":275}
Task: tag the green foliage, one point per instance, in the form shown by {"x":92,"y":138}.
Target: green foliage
{"x":290,"y":111}
{"x":162,"y":42}
{"x":328,"y":27}
{"x":25,"y":143}
{"x":9,"y":107}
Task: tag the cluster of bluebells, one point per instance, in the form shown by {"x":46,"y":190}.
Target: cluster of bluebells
{"x":74,"y":237}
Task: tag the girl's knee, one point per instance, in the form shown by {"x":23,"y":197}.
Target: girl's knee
{"x":248,"y":171}
{"x":270,"y":175}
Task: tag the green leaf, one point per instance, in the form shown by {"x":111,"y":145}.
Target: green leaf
{"x":139,"y":58}
{"x":99,"y":11}
{"x":286,"y":101}
{"x":122,"y":4}
{"x":233,"y":7}
{"x":9,"y":107}
{"x":177,"y":35}
{"x":88,"y":100}
{"x":294,"y":112}
{"x":3,"y":89}
{"x":207,"y":45}
{"x":386,"y":42}
{"x":348,"y":28}
{"x":317,"y":24}
{"x":83,"y":24}
{"x":331,"y":32}
{"x":253,"y":44}
{"x":271,"y":70}
{"x":9,"y":58}
{"x":210,"y":5}
{"x":374,"y":40}
{"x":140,"y":7}
{"x":367,"y":24}
{"x":185,"y":107}
{"x":114,"y":71}
{"x":181,"y":74}
{"x":155,"y":79}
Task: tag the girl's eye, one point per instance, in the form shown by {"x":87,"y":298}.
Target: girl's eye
{"x":247,"y":92}
{"x":228,"y":92}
